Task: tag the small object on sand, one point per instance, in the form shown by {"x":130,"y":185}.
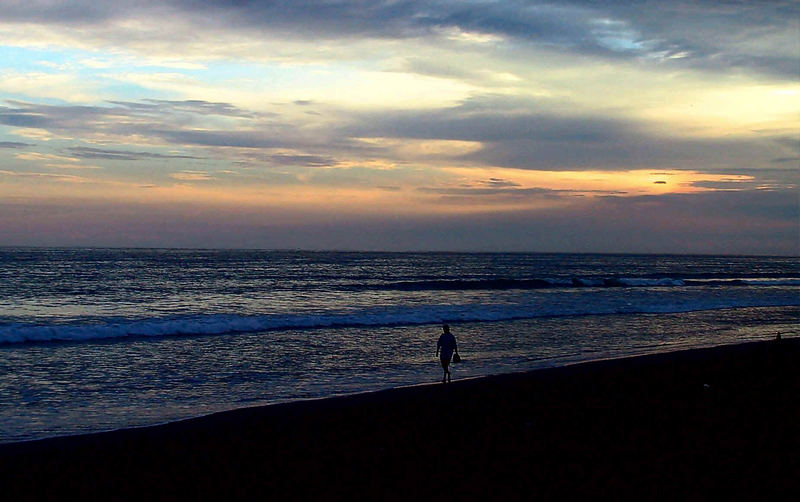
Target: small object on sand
{"x":778,"y":337}
{"x":706,"y":386}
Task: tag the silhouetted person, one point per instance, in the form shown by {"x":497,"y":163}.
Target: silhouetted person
{"x":444,"y":349}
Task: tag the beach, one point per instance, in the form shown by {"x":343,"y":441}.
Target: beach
{"x":697,"y":424}
{"x":138,"y":337}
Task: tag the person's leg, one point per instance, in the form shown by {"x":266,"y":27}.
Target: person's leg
{"x":444,"y":362}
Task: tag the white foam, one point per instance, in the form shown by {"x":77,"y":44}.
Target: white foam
{"x":639,"y":282}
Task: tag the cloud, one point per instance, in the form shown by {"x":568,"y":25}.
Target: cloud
{"x":46,"y":176}
{"x":336,"y":98}
{"x":68,"y":87}
{"x":722,"y":36}
{"x":29,"y":120}
{"x":45,"y":157}
{"x":77,"y":118}
{"x":499,"y":131}
{"x":252,"y":136}
{"x":237,"y":139}
{"x":782,"y":160}
{"x":190,"y":106}
{"x":281,"y":159}
{"x":192,"y":176}
{"x":513,"y":193}
{"x":171,"y":122}
{"x":734,"y":184}
{"x":500,"y":183}
{"x":791,"y":143}
{"x":71,"y":166}
{"x":84,"y":152}
{"x":14,"y":144}
{"x":523,"y":134}
{"x":758,"y":36}
{"x":463,"y":123}
{"x":471,"y":70}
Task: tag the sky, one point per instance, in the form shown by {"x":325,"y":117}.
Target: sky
{"x":473,"y":125}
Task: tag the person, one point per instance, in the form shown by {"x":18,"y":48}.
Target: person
{"x":444,"y":349}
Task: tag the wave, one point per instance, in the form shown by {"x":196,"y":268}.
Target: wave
{"x":224,"y":324}
{"x":575,"y":282}
{"x":746,"y":282}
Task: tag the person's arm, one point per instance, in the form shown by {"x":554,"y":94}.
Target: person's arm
{"x":438,"y":346}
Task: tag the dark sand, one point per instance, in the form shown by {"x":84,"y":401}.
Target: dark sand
{"x":641,"y":428}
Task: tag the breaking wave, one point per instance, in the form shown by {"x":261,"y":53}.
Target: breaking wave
{"x":222,"y":324}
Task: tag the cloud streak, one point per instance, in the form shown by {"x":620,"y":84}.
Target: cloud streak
{"x":84,"y":152}
{"x":14,"y":144}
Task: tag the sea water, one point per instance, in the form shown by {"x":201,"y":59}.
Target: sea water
{"x":99,"y":339}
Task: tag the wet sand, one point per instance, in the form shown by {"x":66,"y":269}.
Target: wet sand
{"x":700,"y":425}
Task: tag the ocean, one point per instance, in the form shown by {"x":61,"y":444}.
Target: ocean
{"x":102,"y":339}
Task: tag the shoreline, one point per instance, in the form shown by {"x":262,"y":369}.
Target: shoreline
{"x":686,"y":424}
{"x":562,"y":363}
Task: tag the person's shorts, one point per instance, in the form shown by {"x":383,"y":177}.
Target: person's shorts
{"x":445,"y":361}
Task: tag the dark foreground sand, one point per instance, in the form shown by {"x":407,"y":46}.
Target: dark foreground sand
{"x":642,"y":428}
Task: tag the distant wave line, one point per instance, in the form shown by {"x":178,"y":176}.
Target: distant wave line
{"x":610,"y":282}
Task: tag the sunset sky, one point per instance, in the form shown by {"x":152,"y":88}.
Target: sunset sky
{"x":469,"y":125}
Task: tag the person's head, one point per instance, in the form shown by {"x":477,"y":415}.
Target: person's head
{"x":446,"y":328}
